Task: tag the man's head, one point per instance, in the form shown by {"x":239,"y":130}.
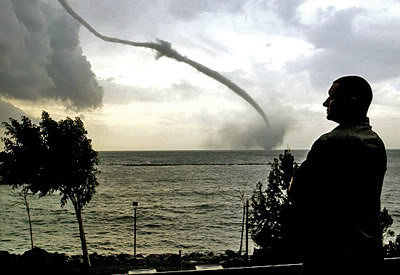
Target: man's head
{"x":349,"y":99}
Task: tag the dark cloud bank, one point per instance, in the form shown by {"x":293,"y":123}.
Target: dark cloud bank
{"x":40,"y":57}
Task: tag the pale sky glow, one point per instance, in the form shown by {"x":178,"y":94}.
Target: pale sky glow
{"x":285,"y":54}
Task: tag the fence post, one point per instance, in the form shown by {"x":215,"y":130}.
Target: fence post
{"x":134,"y":204}
{"x":247,"y":230}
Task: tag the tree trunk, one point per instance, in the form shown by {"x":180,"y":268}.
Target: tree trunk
{"x":29,"y":219}
{"x":241,"y":235}
{"x":85,"y":254}
{"x":24,"y":195}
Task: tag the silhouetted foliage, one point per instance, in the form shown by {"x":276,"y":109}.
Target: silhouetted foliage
{"x":23,"y":154}
{"x":269,"y":213}
{"x":386,"y":223}
{"x":54,"y":156}
{"x":2,"y":156}
{"x":74,"y":160}
{"x":392,"y":249}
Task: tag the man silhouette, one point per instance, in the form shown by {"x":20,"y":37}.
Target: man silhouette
{"x":336,"y":190}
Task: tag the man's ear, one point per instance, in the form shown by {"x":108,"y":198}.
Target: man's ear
{"x":354,"y":105}
{"x":353,"y":100}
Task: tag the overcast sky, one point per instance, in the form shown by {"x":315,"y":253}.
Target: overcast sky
{"x":284,"y":53}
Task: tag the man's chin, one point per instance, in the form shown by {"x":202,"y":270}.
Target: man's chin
{"x":332,"y":118}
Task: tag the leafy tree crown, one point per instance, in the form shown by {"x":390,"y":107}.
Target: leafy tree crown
{"x":270,"y":206}
{"x":54,"y":156}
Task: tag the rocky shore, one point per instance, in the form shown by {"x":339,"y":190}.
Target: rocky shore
{"x":40,"y":261}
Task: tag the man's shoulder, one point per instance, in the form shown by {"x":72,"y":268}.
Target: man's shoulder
{"x":342,"y":136}
{"x":336,"y":133}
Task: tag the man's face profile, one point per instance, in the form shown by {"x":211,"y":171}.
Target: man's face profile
{"x":332,"y":104}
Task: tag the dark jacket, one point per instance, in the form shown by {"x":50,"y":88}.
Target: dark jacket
{"x":336,"y":194}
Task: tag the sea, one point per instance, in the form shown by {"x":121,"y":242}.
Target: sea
{"x":186,"y":200}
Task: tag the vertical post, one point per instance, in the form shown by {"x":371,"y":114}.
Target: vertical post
{"x":180,"y":258}
{"x":134,"y":204}
{"x":134,"y":235}
{"x":247,"y":230}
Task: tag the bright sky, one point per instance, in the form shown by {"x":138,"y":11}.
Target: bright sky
{"x":285,"y":54}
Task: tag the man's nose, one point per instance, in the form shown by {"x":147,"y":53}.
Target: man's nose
{"x":326,"y":102}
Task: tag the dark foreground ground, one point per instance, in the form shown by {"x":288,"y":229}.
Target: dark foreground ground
{"x":39,"y":261}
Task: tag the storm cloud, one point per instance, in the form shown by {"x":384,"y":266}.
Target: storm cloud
{"x":7,"y":110}
{"x":348,"y":42}
{"x":40,"y":56}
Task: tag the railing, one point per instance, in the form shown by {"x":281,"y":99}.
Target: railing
{"x":391,"y":267}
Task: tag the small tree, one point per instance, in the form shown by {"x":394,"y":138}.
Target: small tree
{"x":242,"y":197}
{"x":386,"y":222}
{"x":392,"y":249}
{"x":268,"y":216}
{"x":21,"y":162}
{"x":74,"y":173}
{"x":64,"y":161}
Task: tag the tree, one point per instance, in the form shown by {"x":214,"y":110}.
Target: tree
{"x":19,"y":162}
{"x":386,"y":222}
{"x":58,"y":157}
{"x":242,"y":197}
{"x":75,"y":172}
{"x":269,"y":213}
{"x":392,"y":249}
